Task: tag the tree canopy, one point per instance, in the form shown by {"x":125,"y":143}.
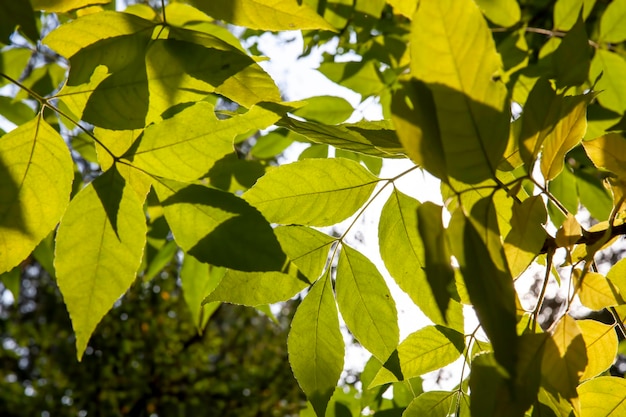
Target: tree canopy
{"x":151,"y":135}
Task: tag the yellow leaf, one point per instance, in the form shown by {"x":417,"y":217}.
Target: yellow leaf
{"x":595,"y":291}
{"x":569,"y":232}
{"x":61,"y":6}
{"x":608,"y":152}
{"x":601,"y":342}
{"x":35,"y":182}
{"x":603,"y":396}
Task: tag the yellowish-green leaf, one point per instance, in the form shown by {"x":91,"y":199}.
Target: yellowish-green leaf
{"x":453,"y":52}
{"x":603,"y":396}
{"x":306,"y":247}
{"x":503,"y":13}
{"x":204,"y":220}
{"x":405,"y":8}
{"x":527,"y":234}
{"x":617,"y":278}
{"x":572,"y":59}
{"x":601,"y":343}
{"x":612,"y":84}
{"x":567,"y":133}
{"x":198,"y":280}
{"x":264,"y":14}
{"x":612,"y":28}
{"x":315,"y":345}
{"x":481,"y":255}
{"x":432,"y":403}
{"x":362,"y":76}
{"x":566,"y":12}
{"x":429,"y":348}
{"x":35,"y":182}
{"x":595,"y":291}
{"x":565,"y":359}
{"x":413,"y":113}
{"x":326,"y":109}
{"x":403,"y":253}
{"x":62,"y":6}
{"x":258,"y":288}
{"x":608,"y":152}
{"x":314,"y":192}
{"x":187,"y":146}
{"x":365,"y":303}
{"x":99,"y":246}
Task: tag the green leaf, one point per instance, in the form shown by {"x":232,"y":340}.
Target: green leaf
{"x":160,"y":260}
{"x":369,"y":138}
{"x":12,"y":280}
{"x":414,"y":115}
{"x":62,"y":6}
{"x":315,"y":345}
{"x":503,"y":13}
{"x":601,"y":344}
{"x":526,"y":238}
{"x":271,"y":145}
{"x":439,"y":272}
{"x":257,"y":288}
{"x":183,"y":149}
{"x":563,"y":188}
{"x":611,"y":24}
{"x":35,"y":183}
{"x":568,"y":132}
{"x":572,"y":59}
{"x":488,"y":283}
{"x":362,"y":77}
{"x":403,"y":253}
{"x":199,"y":280}
{"x":603,"y":396}
{"x":565,"y":359}
{"x":264,"y":14}
{"x":306,"y":247}
{"x":428,"y":349}
{"x":314,"y":192}
{"x":365,"y":303}
{"x":99,"y":246}
{"x":612,"y":84}
{"x":204,"y":220}
{"x":453,"y":52}
{"x":593,"y":195}
{"x":433,"y":404}
{"x":325,"y":109}
{"x":15,"y":14}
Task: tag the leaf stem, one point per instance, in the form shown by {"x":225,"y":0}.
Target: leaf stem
{"x":552,"y":198}
{"x":546,"y":32}
{"x":542,"y":294}
{"x":163,"y":16}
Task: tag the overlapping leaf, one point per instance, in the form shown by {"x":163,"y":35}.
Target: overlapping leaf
{"x":603,"y":396}
{"x":601,"y":344}
{"x":98,"y":250}
{"x":35,"y":183}
{"x":365,"y":303}
{"x":198,"y":280}
{"x":611,"y":28}
{"x":453,"y":52}
{"x":204,"y":221}
{"x":527,"y":234}
{"x":316,"y":346}
{"x":306,"y":247}
{"x":314,"y":192}
{"x":613,"y":81}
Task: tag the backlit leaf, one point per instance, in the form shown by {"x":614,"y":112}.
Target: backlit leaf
{"x":264,"y":14}
{"x":365,"y":303}
{"x":572,"y":58}
{"x":306,"y":247}
{"x":608,"y":152}
{"x":432,"y":403}
{"x":601,"y":343}
{"x":314,"y":192}
{"x":567,"y":133}
{"x":325,"y":109}
{"x":198,"y":280}
{"x":603,"y":396}
{"x":502,"y":13}
{"x":204,"y":220}
{"x":35,"y":182}
{"x":60,"y":6}
{"x":99,"y":246}
{"x":257,"y":288}
{"x":566,"y":12}
{"x":527,"y":234}
{"x":565,"y":359}
{"x":403,"y":253}
{"x":316,"y":346}
{"x":611,"y":28}
{"x":595,"y":291}
{"x":613,"y":80}
{"x":453,"y":52}
{"x":493,"y":298}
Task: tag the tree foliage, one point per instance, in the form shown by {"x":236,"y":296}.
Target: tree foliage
{"x":152,"y":130}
